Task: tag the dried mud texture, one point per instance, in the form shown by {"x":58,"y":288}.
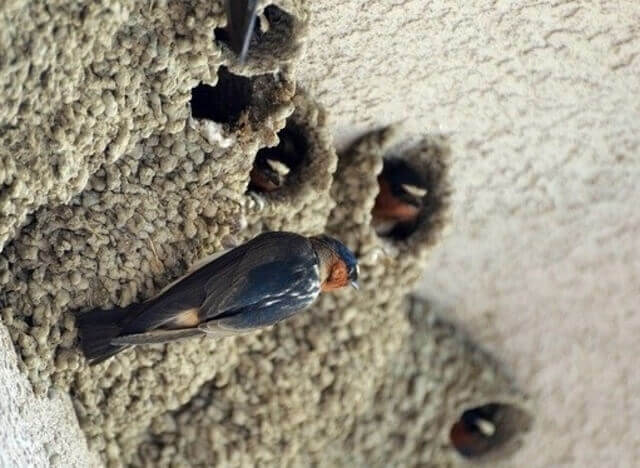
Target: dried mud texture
{"x":278,"y":38}
{"x":73,"y":99}
{"x":304,"y":201}
{"x":296,"y":387}
{"x":436,"y":376}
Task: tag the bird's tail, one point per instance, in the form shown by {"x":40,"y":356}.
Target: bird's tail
{"x":97,"y":328}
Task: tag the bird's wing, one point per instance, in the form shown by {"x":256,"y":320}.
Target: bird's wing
{"x":280,"y":270}
{"x":220,"y":328}
{"x":220,"y":285}
{"x":264,"y":313}
{"x":195,"y":267}
{"x":189,"y":292}
{"x":155,"y":336}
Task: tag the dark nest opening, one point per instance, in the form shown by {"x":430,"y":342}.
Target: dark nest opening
{"x":486,"y":429}
{"x":406,"y":199}
{"x":226,"y":101}
{"x":272,"y":33}
{"x":276,"y":167}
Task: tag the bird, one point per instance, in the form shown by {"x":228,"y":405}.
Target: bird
{"x":268,"y":174}
{"x":255,"y":285}
{"x":400,"y":199}
{"x":241,"y":17}
{"x":474,"y":434}
{"x":272,"y":166}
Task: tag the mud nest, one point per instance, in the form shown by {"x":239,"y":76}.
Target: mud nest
{"x":124,"y":157}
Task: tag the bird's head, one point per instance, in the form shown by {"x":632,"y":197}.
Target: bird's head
{"x":273,"y":166}
{"x":338,"y":265}
{"x":402,"y":192}
{"x":268,"y":174}
{"x":475,"y":433}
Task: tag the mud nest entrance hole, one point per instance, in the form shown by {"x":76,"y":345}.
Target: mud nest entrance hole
{"x":404,"y":200}
{"x":224,"y":102}
{"x":272,"y":31}
{"x":277,"y":166}
{"x":485,"y":429}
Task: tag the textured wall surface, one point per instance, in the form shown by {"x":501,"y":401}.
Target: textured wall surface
{"x":540,"y":100}
{"x":36,"y":431}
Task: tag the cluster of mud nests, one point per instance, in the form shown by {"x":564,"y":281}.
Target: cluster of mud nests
{"x":128,"y":137}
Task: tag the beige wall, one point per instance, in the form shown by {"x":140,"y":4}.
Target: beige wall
{"x":36,"y":431}
{"x":542,"y":103}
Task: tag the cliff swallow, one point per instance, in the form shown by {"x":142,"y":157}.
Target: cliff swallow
{"x":241,"y":17}
{"x":266,"y":280}
{"x":268,"y":174}
{"x":474,"y":433}
{"x":273,"y":165}
{"x":400,"y":199}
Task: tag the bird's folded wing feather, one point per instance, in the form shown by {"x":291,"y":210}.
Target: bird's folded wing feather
{"x":155,"y":337}
{"x":187,"y":293}
{"x":275,"y":267}
{"x":219,"y":328}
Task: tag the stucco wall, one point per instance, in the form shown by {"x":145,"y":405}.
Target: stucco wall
{"x":540,"y":100}
{"x":36,"y":431}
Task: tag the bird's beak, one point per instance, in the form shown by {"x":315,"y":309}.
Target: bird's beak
{"x":355,"y":285}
